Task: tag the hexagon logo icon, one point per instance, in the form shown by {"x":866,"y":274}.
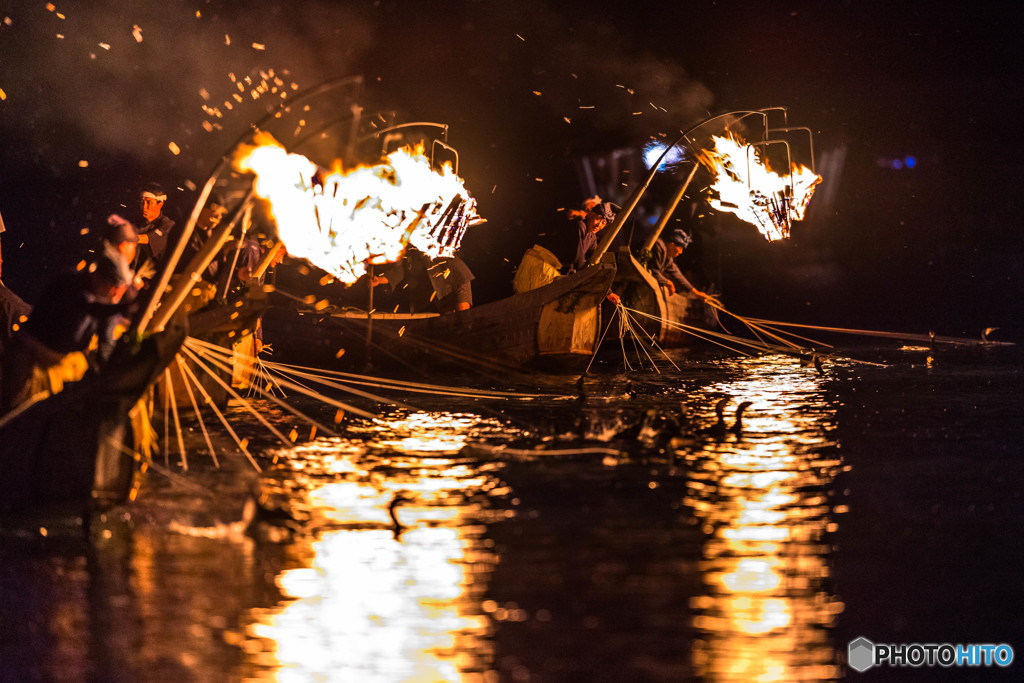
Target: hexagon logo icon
{"x":861,"y":654}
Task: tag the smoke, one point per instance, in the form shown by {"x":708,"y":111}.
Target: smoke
{"x":148,"y":79}
{"x":140,"y":79}
{"x":597,"y":79}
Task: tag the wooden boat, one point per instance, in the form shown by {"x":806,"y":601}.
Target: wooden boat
{"x":668,"y":314}
{"x":78,"y":446}
{"x":556,"y":326}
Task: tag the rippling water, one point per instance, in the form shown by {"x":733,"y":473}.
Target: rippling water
{"x":621,"y":537}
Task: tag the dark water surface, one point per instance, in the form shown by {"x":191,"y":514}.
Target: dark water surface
{"x":554,"y":539}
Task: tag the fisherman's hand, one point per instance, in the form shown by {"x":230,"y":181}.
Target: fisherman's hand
{"x":143,"y":238}
{"x":670,"y":288}
{"x":614,"y":298}
{"x":378,"y":280}
{"x":707,"y":297}
{"x":145,"y":272}
{"x":114,"y":219}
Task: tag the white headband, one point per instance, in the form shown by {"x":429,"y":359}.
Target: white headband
{"x":158,"y":197}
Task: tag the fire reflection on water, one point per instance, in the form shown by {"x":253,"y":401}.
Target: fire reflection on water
{"x":384,"y":602}
{"x":763,"y":499}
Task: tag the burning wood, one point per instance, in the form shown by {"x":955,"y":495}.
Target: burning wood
{"x":342,"y":221}
{"x":746,"y":186}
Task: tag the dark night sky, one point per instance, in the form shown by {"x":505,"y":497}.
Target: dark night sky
{"x":937,"y":245}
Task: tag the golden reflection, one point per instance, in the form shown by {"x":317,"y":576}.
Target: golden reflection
{"x":763,"y":501}
{"x":376,"y":602}
{"x":425,"y":432}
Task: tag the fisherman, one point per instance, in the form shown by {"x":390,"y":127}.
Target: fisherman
{"x":74,"y":318}
{"x":209,"y":218}
{"x":122,"y":235}
{"x":663,"y":264}
{"x":155,"y":233}
{"x":566,"y":250}
{"x":439,"y":285}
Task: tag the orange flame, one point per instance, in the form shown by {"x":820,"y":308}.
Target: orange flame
{"x":747,"y":187}
{"x":342,"y":221}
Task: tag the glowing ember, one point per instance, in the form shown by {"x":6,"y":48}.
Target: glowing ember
{"x":745,"y":186}
{"x":342,"y":221}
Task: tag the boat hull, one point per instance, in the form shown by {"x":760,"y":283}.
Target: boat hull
{"x":78,"y":446}
{"x":556,"y":326}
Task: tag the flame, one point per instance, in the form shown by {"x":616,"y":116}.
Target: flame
{"x":747,"y":187}
{"x":342,"y":221}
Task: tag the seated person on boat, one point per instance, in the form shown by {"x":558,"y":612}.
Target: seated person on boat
{"x":566,"y":249}
{"x":663,"y":264}
{"x":440,"y":285}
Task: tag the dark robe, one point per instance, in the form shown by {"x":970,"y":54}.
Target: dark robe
{"x":159,"y":234}
{"x":665,"y":269}
{"x":430,"y":285}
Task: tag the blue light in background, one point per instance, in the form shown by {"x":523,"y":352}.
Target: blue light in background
{"x":653,"y":150}
{"x":910,"y":162}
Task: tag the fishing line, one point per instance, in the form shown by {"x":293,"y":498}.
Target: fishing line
{"x":601,"y":340}
{"x":195,"y":407}
{"x":169,"y":389}
{"x":283,"y":404}
{"x":245,"y":404}
{"x":223,"y":420}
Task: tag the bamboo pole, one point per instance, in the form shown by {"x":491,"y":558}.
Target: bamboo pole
{"x":634,"y":199}
{"x":195,"y":268}
{"x":649,"y":244}
{"x":268,"y":258}
{"x":620,"y":219}
{"x":246,"y":224}
{"x":368,"y":342}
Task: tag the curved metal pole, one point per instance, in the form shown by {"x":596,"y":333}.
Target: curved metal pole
{"x":620,"y":219}
{"x":413,"y":124}
{"x":658,"y":229}
{"x":179,"y":248}
{"x":445,"y":145}
{"x":352,"y":116}
{"x":810,"y":138}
